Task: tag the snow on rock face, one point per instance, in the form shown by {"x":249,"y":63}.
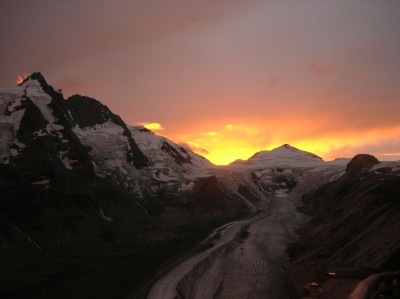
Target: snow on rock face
{"x":13,"y":102}
{"x":151,"y":144}
{"x":11,"y":113}
{"x":131,"y":157}
{"x":35,"y":93}
{"x":89,"y":113}
{"x":168,"y":158}
{"x":275,"y":181}
{"x":108,"y":149}
{"x":284,"y":155}
{"x":33,"y":123}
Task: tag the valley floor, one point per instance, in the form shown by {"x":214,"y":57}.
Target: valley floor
{"x":245,"y":259}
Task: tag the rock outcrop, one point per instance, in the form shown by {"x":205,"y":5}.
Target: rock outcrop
{"x":361,"y":163}
{"x":355,"y":223}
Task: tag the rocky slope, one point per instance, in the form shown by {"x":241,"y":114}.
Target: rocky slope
{"x":63,"y":213}
{"x":355,"y":222}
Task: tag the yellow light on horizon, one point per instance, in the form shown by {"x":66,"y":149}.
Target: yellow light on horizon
{"x":225,"y":143}
{"x":227,"y":156}
{"x":212,"y":133}
{"x":152,"y":126}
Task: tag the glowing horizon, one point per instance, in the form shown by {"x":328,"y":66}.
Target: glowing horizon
{"x":151,"y":126}
{"x":225,"y":78}
{"x":232,"y":142}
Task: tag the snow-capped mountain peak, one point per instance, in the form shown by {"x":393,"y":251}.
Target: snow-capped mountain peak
{"x":284,"y":155}
{"x":286,"y":150}
{"x":33,"y":121}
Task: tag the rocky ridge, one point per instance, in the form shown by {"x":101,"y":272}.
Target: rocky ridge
{"x":354,"y":224}
{"x":67,"y":193}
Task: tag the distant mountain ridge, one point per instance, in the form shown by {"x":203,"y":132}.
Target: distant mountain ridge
{"x":285,"y":150}
{"x":281,"y":156}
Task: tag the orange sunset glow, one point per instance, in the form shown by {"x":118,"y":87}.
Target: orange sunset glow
{"x":232,"y":142}
{"x":226,"y":78}
{"x":328,"y":136}
{"x":151,"y":126}
{"x":21,"y":78}
{"x":212,"y":149}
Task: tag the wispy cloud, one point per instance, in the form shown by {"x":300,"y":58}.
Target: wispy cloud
{"x":197,"y":147}
{"x":212,"y":133}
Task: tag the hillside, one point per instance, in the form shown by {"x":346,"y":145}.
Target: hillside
{"x":355,"y":225}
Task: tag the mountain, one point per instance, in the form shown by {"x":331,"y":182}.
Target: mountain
{"x":90,"y":207}
{"x":355,"y":223}
{"x":35,"y":129}
{"x":285,"y":155}
{"x":87,"y":113}
{"x":46,"y":139}
{"x":78,"y":193}
{"x":167,"y":157}
{"x":125,"y":154}
{"x":50,"y":190}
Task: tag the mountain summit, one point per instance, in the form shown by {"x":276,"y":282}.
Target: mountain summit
{"x":285,"y":155}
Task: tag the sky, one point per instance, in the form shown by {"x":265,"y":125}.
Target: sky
{"x":225,"y":78}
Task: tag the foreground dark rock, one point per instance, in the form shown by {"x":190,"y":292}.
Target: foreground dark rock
{"x":355,"y":224}
{"x":361,"y":163}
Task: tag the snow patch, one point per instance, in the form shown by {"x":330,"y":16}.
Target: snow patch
{"x":10,"y":119}
{"x":186,"y":187}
